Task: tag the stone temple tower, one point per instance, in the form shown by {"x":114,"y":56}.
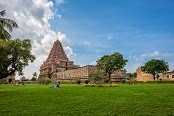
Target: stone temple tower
{"x":57,"y":61}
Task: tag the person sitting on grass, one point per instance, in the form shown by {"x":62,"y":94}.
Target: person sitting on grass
{"x":17,"y":84}
{"x":56,"y":85}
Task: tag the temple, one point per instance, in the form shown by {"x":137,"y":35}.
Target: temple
{"x":57,"y":61}
{"x":58,"y":67}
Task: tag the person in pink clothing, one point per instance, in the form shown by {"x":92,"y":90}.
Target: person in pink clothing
{"x":17,"y":84}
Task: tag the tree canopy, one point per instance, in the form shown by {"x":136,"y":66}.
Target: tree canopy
{"x":155,"y":66}
{"x":6,"y":24}
{"x":97,"y":77}
{"x":15,"y":55}
{"x":34,"y":74}
{"x":111,"y":63}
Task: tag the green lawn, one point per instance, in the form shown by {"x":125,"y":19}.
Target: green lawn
{"x":40,"y":100}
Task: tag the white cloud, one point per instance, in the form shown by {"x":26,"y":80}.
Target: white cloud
{"x":59,"y":2}
{"x":154,"y":54}
{"x":93,"y":63}
{"x":109,"y":37}
{"x":33,"y":17}
{"x":87,"y":43}
{"x":59,"y":15}
{"x":97,"y":51}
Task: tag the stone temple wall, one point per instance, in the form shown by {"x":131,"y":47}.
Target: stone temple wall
{"x":167,"y":76}
{"x":142,"y":76}
{"x":73,"y":75}
{"x":82,"y":73}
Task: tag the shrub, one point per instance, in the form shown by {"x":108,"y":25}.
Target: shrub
{"x":44,"y":81}
{"x":47,"y":81}
{"x":124,"y":81}
{"x":41,"y":80}
{"x":100,"y":85}
{"x":33,"y":79}
{"x":3,"y":81}
{"x":68,"y":82}
{"x":86,"y":81}
{"x":161,"y":82}
{"x":31,"y":82}
{"x":78,"y":81}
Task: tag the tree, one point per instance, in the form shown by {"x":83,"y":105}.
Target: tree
{"x":97,"y":77}
{"x":33,"y":79}
{"x":111,"y":63}
{"x":132,"y":75}
{"x":34,"y":76}
{"x":6,"y":24}
{"x":155,"y":66}
{"x":15,"y":55}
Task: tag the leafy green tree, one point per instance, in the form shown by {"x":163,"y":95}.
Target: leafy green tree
{"x":15,"y":55}
{"x":132,"y":75}
{"x":6,"y":24}
{"x":97,"y":77}
{"x":34,"y":78}
{"x":34,"y":74}
{"x":155,"y":66}
{"x":111,"y":63}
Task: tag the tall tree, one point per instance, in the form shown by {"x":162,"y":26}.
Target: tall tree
{"x":34,"y":74}
{"x":6,"y":24}
{"x":111,"y":63}
{"x":15,"y":55}
{"x":155,"y":66}
{"x":98,"y":77}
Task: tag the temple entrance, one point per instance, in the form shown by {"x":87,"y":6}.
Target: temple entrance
{"x":10,"y":80}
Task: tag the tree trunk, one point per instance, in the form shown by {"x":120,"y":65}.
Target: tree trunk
{"x":109,"y":78}
{"x":154,"y":77}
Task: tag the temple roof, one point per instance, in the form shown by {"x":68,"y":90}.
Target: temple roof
{"x":57,"y":53}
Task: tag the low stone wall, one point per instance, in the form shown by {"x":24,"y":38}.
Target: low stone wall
{"x":167,"y":76}
{"x":72,"y":75}
{"x":142,"y":76}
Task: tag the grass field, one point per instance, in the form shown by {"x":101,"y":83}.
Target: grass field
{"x":40,"y":100}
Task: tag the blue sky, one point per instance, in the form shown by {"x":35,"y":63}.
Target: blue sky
{"x":138,"y":29}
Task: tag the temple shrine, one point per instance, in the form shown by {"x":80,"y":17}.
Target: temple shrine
{"x":57,"y":61}
{"x":58,"y":67}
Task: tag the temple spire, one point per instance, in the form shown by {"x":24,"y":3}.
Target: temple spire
{"x":56,"y":61}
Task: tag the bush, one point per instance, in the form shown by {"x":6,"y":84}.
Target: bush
{"x":68,"y":82}
{"x":86,"y":81}
{"x":3,"y":81}
{"x":78,"y":81}
{"x":100,"y":85}
{"x":124,"y":81}
{"x":31,"y":82}
{"x":44,"y":81}
{"x":160,"y":82}
{"x":41,"y":80}
{"x":151,"y":82}
{"x":33,"y":79}
{"x":47,"y":81}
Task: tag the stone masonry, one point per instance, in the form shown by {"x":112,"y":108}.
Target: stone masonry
{"x":58,"y":67}
{"x":57,"y":61}
{"x":142,"y":76}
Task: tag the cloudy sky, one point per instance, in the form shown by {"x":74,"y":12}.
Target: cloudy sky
{"x":88,"y":29}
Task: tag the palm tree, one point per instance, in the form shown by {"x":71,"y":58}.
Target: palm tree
{"x":6,"y":24}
